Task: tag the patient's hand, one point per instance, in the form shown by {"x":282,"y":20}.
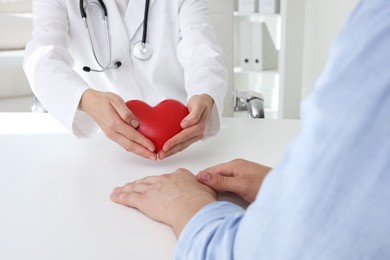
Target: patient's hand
{"x":239,"y":176}
{"x":170,"y":198}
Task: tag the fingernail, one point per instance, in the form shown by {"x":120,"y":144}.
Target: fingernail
{"x":184,"y":124}
{"x":151,"y":149}
{"x":134,"y":123}
{"x":153,"y":158}
{"x":205,"y":177}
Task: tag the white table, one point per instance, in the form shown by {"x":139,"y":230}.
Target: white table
{"x":54,"y":188}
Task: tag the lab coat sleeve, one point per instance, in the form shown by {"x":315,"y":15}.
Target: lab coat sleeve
{"x":204,"y":63}
{"x":48,"y":66}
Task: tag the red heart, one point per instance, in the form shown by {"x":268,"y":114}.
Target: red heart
{"x":159,"y":123}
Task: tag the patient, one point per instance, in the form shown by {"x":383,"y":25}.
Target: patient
{"x":329,"y":196}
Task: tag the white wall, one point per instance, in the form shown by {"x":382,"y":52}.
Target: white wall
{"x":15,"y":21}
{"x":221,"y":16}
{"x":323,"y":21}
{"x":291,"y":57}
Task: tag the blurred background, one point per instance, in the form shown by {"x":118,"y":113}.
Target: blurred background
{"x":275,"y":48}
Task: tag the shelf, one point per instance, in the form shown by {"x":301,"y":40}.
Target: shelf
{"x":264,"y":81}
{"x":240,"y":70}
{"x":238,"y":14}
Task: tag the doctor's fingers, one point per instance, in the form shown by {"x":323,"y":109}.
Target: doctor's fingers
{"x":193,"y":117}
{"x":133,"y":135}
{"x":118,"y":128}
{"x":124,"y":112}
{"x":133,"y":145}
{"x":195,"y":132}
{"x":177,"y":148}
{"x":198,"y":114}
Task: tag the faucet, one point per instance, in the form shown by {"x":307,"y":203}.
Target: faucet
{"x":251,"y":101}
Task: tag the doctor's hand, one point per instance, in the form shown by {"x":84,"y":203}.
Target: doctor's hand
{"x":118,"y":123}
{"x":238,"y":176}
{"x":172,"y":199}
{"x":194,"y":126}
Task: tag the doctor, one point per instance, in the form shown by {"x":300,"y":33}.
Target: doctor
{"x":86,"y":58}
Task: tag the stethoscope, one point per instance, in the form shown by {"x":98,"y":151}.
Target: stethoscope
{"x":142,"y":50}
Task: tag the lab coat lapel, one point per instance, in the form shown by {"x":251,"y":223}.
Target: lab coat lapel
{"x":135,"y":16}
{"x":118,"y":32}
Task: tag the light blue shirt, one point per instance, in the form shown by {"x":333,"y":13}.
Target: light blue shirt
{"x":329,"y":198}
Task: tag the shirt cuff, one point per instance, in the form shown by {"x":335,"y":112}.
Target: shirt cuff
{"x":202,"y":227}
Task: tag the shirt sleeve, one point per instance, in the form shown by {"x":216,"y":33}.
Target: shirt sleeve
{"x":329,"y":196}
{"x":213,"y":228}
{"x":200,"y":54}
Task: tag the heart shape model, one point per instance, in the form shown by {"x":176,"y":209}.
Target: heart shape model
{"x":159,"y":123}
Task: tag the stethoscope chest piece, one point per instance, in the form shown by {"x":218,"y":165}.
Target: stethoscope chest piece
{"x":143,"y":50}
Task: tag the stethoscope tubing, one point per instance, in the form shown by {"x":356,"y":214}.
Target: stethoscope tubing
{"x":107,"y":40}
{"x":145,"y":25}
{"x":84,"y":14}
{"x":141,"y":50}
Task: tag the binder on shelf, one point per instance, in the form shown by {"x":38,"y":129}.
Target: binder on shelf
{"x":245,"y":45}
{"x":247,"y":6}
{"x":269,"y":6}
{"x":263,"y":51}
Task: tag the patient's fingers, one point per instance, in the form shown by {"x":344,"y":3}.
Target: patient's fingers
{"x":224,"y":169}
{"x":219,"y":182}
{"x":130,"y":199}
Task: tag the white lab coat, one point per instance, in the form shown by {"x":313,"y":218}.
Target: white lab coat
{"x":187,"y":58}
